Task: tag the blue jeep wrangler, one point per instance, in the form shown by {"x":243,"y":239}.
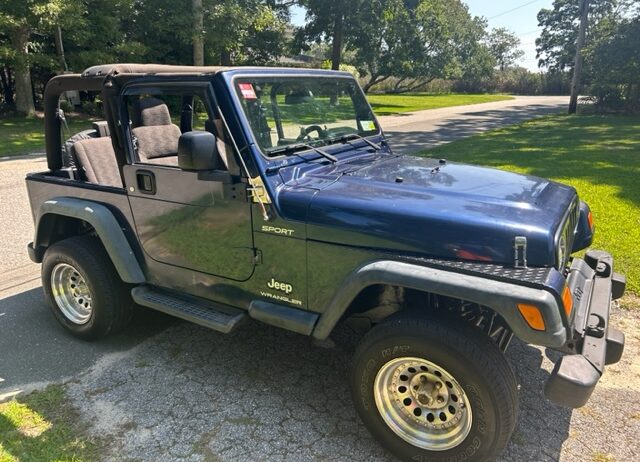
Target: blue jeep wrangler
{"x":216,"y":194}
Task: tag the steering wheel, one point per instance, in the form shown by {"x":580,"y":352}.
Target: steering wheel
{"x":304,"y":132}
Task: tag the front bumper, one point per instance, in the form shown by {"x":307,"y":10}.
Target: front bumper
{"x":594,"y":343}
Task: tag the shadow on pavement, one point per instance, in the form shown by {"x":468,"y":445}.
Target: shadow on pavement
{"x":189,"y":387}
{"x":34,"y":348}
{"x":468,"y":124}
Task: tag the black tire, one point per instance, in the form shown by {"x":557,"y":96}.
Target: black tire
{"x":463,"y":351}
{"x":111,"y":302}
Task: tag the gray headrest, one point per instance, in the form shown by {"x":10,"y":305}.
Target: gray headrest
{"x":151,"y":112}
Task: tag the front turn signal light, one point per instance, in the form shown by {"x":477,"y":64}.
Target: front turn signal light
{"x":532,"y":315}
{"x":567,"y":300}
{"x":590,"y":219}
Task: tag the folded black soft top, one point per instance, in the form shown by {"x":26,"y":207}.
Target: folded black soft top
{"x":133,"y":68}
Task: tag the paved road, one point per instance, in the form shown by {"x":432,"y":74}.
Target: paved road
{"x":168,"y":390}
{"x":425,"y":129}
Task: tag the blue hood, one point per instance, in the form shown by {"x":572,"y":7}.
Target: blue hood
{"x":448,"y":210}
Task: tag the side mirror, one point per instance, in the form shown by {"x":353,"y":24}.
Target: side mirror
{"x":197,"y":151}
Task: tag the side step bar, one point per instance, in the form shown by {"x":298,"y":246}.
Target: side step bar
{"x":206,"y":313}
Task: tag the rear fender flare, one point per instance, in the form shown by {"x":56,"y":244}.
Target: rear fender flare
{"x":103,"y":222}
{"x":500,"y":296}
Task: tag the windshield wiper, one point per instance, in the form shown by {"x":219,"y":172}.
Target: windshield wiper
{"x":300,"y":146}
{"x":354,"y":136}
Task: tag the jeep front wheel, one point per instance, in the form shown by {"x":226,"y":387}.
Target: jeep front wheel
{"x":83,"y":288}
{"x":434,"y":390}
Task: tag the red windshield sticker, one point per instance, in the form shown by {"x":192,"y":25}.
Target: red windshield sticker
{"x":247,"y":91}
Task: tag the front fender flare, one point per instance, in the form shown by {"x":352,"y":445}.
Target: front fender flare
{"x":500,"y":296}
{"x":106,"y":226}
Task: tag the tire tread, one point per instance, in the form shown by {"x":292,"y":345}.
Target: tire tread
{"x":467,"y":341}
{"x":90,"y":253}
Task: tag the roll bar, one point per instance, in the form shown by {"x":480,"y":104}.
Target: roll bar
{"x":55,"y":87}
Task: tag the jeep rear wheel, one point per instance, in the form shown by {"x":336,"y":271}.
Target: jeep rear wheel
{"x":434,"y":390}
{"x":83,"y":288}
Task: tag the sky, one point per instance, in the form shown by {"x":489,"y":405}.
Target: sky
{"x":519,"y":16}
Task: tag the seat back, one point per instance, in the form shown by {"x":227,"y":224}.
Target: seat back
{"x":97,"y":161}
{"x":156,"y":136}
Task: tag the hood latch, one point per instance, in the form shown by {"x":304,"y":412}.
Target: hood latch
{"x":520,"y":251}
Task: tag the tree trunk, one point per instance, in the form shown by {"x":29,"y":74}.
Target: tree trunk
{"x":7,"y":87}
{"x":336,"y":49}
{"x":22,"y":73}
{"x":577,"y":68}
{"x":225,"y":58}
{"x":373,"y":80}
{"x":367,"y":86}
{"x":198,"y":30}
{"x":634,"y":97}
{"x":60,"y":48}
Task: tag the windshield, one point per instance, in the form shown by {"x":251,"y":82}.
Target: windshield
{"x":316,"y":111}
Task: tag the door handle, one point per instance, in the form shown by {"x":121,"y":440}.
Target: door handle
{"x":146,"y":181}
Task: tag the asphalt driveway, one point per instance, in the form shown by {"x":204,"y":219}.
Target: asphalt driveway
{"x":415,"y":131}
{"x":169,"y":390}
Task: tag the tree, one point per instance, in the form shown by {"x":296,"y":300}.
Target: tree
{"x":577,"y":67}
{"x":19,"y":20}
{"x":326,"y":23}
{"x":198,"y":31}
{"x":415,"y":41}
{"x":245,"y":31}
{"x":556,"y":46}
{"x":377,"y":35}
{"x":504,"y":46}
{"x":112,"y":31}
{"x":615,"y":63}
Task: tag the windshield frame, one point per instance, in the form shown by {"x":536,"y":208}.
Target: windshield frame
{"x":293,"y":73}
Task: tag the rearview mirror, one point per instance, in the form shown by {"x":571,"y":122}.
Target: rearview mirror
{"x":197,"y":151}
{"x":299,"y":96}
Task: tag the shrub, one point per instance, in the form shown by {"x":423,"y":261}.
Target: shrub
{"x":92,"y":108}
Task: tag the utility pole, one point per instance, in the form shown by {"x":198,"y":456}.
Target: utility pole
{"x":577,"y":68}
{"x":198,"y":30}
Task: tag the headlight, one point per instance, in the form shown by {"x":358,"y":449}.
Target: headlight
{"x":562,"y":251}
{"x":566,"y":234}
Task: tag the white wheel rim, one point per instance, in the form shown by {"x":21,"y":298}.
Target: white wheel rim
{"x":422,"y":403}
{"x":71,"y":293}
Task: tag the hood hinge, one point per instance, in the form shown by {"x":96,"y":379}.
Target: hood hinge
{"x":258,"y":194}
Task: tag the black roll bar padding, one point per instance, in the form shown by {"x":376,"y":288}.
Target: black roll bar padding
{"x":276,"y":109}
{"x":114,"y":114}
{"x":186,"y":114}
{"x":55,"y":87}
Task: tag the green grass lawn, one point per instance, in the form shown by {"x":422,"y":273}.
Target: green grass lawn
{"x":20,"y":136}
{"x":393,"y":104}
{"x":598,"y":155}
{"x":42,"y":426}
